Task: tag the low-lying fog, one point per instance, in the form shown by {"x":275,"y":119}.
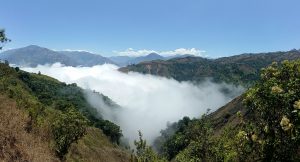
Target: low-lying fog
{"x":148,"y":102}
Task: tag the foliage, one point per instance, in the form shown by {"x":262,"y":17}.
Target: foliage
{"x":268,"y":132}
{"x":144,"y":153}
{"x":240,"y":69}
{"x":61,"y":96}
{"x":67,"y":127}
{"x":59,"y":109}
{"x":110,"y":129}
{"x":274,"y":102}
{"x":173,"y":144}
{"x":3,"y":38}
{"x":200,"y":147}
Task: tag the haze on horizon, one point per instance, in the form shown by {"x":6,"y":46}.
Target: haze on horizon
{"x":136,"y":27}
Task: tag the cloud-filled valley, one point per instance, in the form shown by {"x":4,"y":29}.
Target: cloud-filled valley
{"x":147,"y":102}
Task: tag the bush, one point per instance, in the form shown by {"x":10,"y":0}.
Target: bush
{"x":110,"y":129}
{"x":67,"y":128}
{"x":275,"y":104}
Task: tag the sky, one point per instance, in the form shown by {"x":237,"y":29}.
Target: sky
{"x":211,"y":28}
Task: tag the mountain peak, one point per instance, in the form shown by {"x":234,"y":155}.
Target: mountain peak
{"x":34,"y":47}
{"x":154,"y":55}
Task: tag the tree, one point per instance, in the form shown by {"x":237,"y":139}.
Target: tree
{"x":110,"y":129}
{"x":144,"y":153}
{"x":200,"y":147}
{"x":67,"y":127}
{"x":3,"y":38}
{"x":275,"y":105}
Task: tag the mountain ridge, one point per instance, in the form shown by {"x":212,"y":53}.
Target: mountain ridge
{"x":239,"y":69}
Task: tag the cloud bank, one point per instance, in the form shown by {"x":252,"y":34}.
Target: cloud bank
{"x":143,"y":52}
{"x":148,"y":102}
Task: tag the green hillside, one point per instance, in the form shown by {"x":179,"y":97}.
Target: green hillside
{"x":240,"y":69}
{"x":261,"y":125}
{"x":56,"y":114}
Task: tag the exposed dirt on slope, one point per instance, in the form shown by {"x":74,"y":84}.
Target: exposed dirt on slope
{"x":16,"y":144}
{"x":227,"y":115}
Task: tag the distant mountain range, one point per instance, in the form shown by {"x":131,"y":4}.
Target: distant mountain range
{"x":83,"y":58}
{"x":239,"y":69}
{"x":34,"y":55}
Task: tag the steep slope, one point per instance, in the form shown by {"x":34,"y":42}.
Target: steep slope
{"x":227,"y":114}
{"x":41,"y":118}
{"x":240,"y":69}
{"x":95,"y":146}
{"x":86,"y":59}
{"x":16,"y":143}
{"x":34,"y":55}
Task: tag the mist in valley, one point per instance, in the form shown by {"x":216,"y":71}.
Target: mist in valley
{"x":146,"y":102}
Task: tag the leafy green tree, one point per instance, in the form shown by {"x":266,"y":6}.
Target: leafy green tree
{"x":144,"y":153}
{"x":275,"y":105}
{"x":201,"y":145}
{"x":67,"y":128}
{"x":110,"y":129}
{"x":178,"y":141}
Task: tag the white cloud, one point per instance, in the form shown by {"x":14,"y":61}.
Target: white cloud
{"x":183,"y":51}
{"x":143,"y":52}
{"x":148,"y":102}
{"x":78,"y":50}
{"x":134,"y":53}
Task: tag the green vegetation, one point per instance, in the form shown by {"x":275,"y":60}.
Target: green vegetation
{"x":3,"y":38}
{"x":67,"y":128}
{"x":145,"y":153}
{"x":268,"y":131}
{"x":275,"y":104}
{"x":57,"y":111}
{"x":61,"y":96}
{"x":239,"y":70}
{"x":95,"y":146}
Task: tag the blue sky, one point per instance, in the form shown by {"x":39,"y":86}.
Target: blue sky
{"x":110,"y":27}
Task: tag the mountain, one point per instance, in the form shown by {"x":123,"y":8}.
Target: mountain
{"x":83,"y":58}
{"x":126,"y":60}
{"x":240,"y":69}
{"x":178,"y":56}
{"x":149,"y":57}
{"x":35,"y":55}
{"x":121,"y":60}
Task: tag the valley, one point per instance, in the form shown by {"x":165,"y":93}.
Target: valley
{"x":149,"y":81}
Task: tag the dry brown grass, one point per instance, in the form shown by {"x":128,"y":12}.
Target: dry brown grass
{"x":16,"y":144}
{"x":95,"y":146}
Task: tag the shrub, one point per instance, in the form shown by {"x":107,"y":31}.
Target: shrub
{"x":67,"y":128}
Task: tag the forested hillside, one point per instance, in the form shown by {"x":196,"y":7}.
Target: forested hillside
{"x":261,"y":125}
{"x":240,"y":69}
{"x":55,"y":116}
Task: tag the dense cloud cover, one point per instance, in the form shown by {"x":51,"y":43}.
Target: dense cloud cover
{"x":148,"y":102}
